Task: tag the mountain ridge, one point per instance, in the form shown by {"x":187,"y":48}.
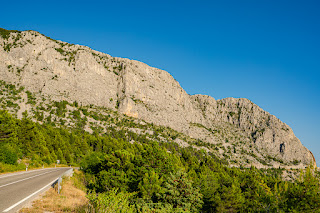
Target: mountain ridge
{"x":63,"y":71}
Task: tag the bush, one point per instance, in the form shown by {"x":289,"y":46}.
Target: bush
{"x":111,"y":201}
{"x":8,"y":154}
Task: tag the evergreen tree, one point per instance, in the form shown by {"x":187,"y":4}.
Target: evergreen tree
{"x":180,"y":194}
{"x":150,"y":186}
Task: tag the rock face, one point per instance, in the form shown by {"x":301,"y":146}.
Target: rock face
{"x":77,"y":73}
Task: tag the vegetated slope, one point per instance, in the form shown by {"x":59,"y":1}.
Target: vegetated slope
{"x":148,"y":176}
{"x":236,"y":130}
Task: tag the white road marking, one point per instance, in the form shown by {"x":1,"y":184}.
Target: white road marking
{"x":24,"y":179}
{"x":24,"y":172}
{"x":26,"y":198}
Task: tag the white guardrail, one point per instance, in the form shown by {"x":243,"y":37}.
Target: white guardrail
{"x":68,"y":173}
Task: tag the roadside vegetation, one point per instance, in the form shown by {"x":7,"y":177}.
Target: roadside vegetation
{"x":72,"y":198}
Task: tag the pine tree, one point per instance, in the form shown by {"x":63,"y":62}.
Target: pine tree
{"x":180,"y":194}
{"x":150,"y":185}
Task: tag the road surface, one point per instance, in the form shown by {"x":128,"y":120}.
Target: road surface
{"x":17,"y":189}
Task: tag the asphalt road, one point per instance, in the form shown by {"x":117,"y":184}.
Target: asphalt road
{"x":18,"y":188}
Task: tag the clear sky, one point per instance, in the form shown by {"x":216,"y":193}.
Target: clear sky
{"x":265,"y":50}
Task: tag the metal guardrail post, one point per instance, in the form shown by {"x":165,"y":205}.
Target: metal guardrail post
{"x":59,"y":184}
{"x":60,"y":180}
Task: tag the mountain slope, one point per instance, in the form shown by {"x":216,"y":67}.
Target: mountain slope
{"x":235,"y":129}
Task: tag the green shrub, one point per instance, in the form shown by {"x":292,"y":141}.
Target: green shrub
{"x":5,"y":34}
{"x":8,"y":154}
{"x":111,"y":201}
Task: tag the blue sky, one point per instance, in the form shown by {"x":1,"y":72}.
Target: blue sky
{"x":266,"y":51}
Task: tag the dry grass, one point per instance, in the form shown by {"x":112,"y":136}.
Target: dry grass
{"x":70,"y":199}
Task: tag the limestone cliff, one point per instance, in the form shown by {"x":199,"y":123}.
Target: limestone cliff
{"x":64,"y":71}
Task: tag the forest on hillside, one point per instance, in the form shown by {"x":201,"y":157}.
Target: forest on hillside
{"x":149,"y":176}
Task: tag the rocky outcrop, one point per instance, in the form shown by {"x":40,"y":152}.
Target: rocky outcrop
{"x":77,"y":73}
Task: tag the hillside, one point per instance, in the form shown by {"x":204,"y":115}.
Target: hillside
{"x":77,"y":87}
{"x":142,"y":143}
